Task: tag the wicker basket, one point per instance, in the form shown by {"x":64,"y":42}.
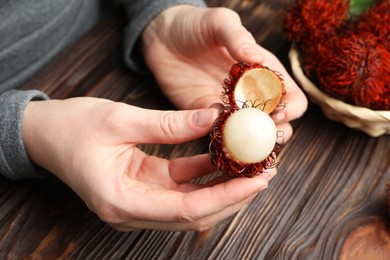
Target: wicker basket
{"x":372,"y":122}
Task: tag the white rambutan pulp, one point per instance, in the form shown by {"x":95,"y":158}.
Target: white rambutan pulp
{"x":249,"y":135}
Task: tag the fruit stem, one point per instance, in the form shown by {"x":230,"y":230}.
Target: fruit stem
{"x":357,"y":7}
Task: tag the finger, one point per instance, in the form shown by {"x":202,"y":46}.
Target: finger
{"x":208,"y":99}
{"x":198,"y":225}
{"x":284,"y":133}
{"x":208,"y":222}
{"x":294,"y":103}
{"x":202,"y":224}
{"x":292,"y":106}
{"x":268,"y":174}
{"x":217,"y":180}
{"x":230,"y":32}
{"x":208,"y":201}
{"x":173,"y":206}
{"x":219,"y":106}
{"x":153,"y":126}
{"x":189,"y":168}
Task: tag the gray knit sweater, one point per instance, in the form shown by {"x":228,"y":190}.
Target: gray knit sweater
{"x":32,"y":32}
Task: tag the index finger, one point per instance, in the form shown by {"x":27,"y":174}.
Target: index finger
{"x":295,"y":101}
{"x":172,"y":206}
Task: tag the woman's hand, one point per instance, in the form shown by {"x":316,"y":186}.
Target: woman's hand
{"x":90,"y":144}
{"x":190,"y":51}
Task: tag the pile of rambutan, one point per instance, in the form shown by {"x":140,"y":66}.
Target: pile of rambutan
{"x":344,"y":47}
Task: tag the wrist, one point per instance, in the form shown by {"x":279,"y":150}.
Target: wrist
{"x":38,"y":132}
{"x":30,"y":117}
{"x":14,"y":162}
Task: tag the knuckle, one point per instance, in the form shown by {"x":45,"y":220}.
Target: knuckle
{"x":223,"y":13}
{"x":169,"y":124}
{"x":111,"y":114}
{"x":186,"y":217}
{"x":224,"y":19}
{"x":188,"y":213}
{"x":107,"y":214}
{"x":107,"y":211}
{"x":200,"y":226}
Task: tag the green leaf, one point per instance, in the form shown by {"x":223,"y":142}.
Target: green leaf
{"x":357,"y":7}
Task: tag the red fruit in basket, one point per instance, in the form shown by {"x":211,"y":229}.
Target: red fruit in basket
{"x":308,"y":22}
{"x":355,"y":68}
{"x":243,"y":139}
{"x":376,"y":20}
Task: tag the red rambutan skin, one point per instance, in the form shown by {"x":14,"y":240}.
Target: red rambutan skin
{"x":224,"y":162}
{"x":376,"y":20}
{"x":349,"y":58}
{"x":355,"y":68}
{"x":308,"y":22}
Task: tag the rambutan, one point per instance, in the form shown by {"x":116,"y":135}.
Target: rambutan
{"x":355,"y":68}
{"x":376,"y":20}
{"x":308,"y":22}
{"x":243,"y":141}
{"x":344,"y":46}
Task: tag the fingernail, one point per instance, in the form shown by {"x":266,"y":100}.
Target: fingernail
{"x":268,"y":175}
{"x":203,"y":117}
{"x":279,"y":117}
{"x":217,"y":106}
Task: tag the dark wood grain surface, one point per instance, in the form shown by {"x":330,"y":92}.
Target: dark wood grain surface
{"x":328,"y":200}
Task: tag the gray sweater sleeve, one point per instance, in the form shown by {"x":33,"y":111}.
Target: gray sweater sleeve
{"x":140,"y":13}
{"x":32,"y":33}
{"x":14,"y":162}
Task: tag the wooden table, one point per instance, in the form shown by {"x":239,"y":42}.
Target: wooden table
{"x":327,"y":202}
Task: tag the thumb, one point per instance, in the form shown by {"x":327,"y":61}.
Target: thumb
{"x":171,"y":127}
{"x":231,"y":34}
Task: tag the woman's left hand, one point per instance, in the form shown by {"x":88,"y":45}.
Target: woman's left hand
{"x":190,"y":50}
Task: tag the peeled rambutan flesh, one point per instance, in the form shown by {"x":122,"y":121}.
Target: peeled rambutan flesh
{"x":243,"y":143}
{"x":244,"y":137}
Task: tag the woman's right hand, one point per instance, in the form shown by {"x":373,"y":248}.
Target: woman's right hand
{"x":91,"y":145}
